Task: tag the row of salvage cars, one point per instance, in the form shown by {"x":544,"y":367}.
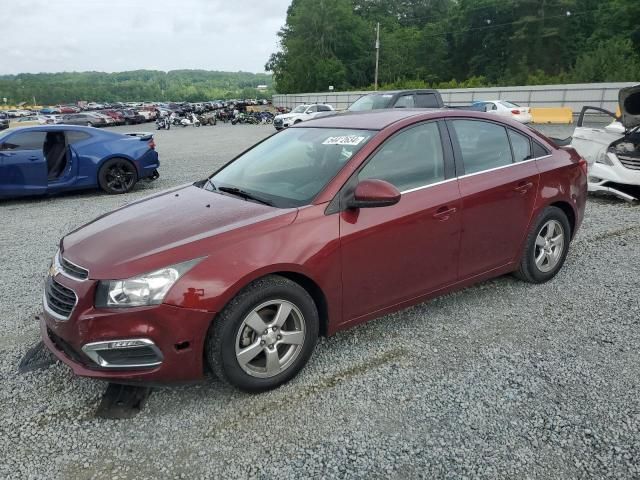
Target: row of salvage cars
{"x":613,"y":151}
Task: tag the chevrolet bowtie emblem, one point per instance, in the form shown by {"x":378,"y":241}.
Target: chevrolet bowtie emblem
{"x":53,"y":271}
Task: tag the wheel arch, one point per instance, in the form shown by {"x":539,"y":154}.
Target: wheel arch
{"x":316,"y":293}
{"x":116,"y":155}
{"x":305,"y":281}
{"x":568,"y":210}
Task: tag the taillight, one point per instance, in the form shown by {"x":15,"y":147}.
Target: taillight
{"x":515,"y":112}
{"x":582,"y":163}
{"x":152,"y":144}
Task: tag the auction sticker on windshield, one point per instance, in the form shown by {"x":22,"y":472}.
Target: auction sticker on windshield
{"x":344,"y":140}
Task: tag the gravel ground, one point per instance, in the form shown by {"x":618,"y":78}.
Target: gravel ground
{"x":501,"y":380}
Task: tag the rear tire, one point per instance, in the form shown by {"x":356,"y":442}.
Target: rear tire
{"x":546,"y":247}
{"x":117,"y":176}
{"x":251,"y":347}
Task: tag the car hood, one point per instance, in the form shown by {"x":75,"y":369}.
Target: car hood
{"x":164,"y":229}
{"x":284,"y":116}
{"x":629,"y":100}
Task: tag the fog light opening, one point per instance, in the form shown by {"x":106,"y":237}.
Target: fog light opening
{"x":182,"y":345}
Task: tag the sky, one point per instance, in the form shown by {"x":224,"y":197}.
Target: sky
{"x":117,"y":35}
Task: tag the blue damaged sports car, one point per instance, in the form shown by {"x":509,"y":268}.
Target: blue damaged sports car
{"x":55,"y":158}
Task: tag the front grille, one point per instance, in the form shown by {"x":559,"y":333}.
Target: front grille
{"x":73,"y":270}
{"x":632,"y":163}
{"x":278,"y":122}
{"x":60,"y":299}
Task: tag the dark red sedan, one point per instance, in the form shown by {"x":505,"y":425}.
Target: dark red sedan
{"x":315,"y":229}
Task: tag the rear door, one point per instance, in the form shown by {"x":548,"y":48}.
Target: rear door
{"x":498,"y":183}
{"x":23,"y":170}
{"x":393,"y":254}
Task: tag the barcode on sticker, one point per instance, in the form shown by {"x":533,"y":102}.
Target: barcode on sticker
{"x":344,"y":140}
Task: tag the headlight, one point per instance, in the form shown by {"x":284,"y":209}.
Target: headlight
{"x":604,"y":159}
{"x":147,"y":289}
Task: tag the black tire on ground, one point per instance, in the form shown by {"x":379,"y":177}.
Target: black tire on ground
{"x":89,"y":124}
{"x":117,"y":175}
{"x":529,"y":270}
{"x":228,"y":330}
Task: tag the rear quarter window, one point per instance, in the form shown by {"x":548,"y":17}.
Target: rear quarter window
{"x":75,"y":137}
{"x":427,"y":100}
{"x":539,"y":150}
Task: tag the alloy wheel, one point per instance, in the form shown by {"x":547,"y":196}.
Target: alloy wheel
{"x":120,"y":176}
{"x":270,"y":338}
{"x":549,"y":248}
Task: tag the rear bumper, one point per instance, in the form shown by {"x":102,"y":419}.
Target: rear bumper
{"x":177,"y":335}
{"x":148,"y":165}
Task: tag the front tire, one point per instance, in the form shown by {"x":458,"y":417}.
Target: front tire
{"x":264,"y":336}
{"x":117,"y":176}
{"x":546,"y":247}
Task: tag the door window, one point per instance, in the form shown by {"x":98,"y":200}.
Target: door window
{"x":413,"y":158}
{"x":25,"y":141}
{"x":312,"y":109}
{"x":405,"y":101}
{"x":483,"y":145}
{"x":521,"y":146}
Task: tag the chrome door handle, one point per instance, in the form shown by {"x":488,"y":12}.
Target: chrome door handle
{"x":523,"y":187}
{"x":443,"y":213}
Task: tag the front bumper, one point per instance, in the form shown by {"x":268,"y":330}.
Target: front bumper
{"x":177,"y":335}
{"x":606,"y":178}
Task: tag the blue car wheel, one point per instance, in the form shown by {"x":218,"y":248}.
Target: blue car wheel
{"x":117,"y":175}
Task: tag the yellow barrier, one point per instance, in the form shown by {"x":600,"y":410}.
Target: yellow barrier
{"x":552,"y":115}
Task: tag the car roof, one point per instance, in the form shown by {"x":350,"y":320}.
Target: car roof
{"x":370,"y":120}
{"x":383,"y":118}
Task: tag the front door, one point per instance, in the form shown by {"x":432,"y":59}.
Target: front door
{"x":392,"y":254}
{"x":498,"y":185}
{"x":23,"y":170}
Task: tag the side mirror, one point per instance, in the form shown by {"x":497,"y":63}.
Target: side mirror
{"x":373,"y":193}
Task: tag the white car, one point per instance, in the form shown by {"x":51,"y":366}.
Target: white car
{"x":301,"y":113}
{"x":613,"y":151}
{"x":506,"y":109}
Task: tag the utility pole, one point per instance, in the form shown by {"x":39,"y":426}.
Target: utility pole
{"x":377,"y":55}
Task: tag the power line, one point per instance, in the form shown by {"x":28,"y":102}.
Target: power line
{"x":568,"y":15}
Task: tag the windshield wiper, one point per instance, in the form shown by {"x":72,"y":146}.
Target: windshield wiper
{"x":244,"y":194}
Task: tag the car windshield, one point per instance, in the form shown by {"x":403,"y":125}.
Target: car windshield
{"x":290,"y":168}
{"x":299,"y":109}
{"x":371,"y":102}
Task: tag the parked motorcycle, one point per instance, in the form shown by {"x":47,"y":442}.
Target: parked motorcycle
{"x":191,"y":120}
{"x":163,"y":123}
